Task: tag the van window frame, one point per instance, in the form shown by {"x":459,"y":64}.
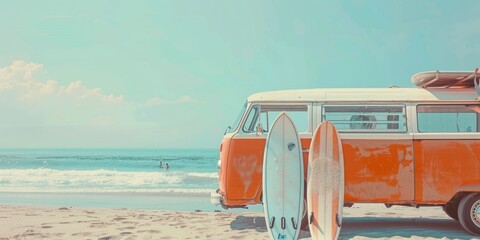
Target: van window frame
{"x":403,"y":106}
{"x":247,"y":115}
{"x":307,"y":105}
{"x":417,"y":125}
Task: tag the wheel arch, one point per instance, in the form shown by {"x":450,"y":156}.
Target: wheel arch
{"x":463,"y":191}
{"x":455,"y":200}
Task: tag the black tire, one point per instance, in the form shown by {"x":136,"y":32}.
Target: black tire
{"x":451,"y":209}
{"x":469,"y":213}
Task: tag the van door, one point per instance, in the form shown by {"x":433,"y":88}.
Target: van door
{"x":246,"y":149}
{"x":377,"y":150}
{"x":447,"y":151}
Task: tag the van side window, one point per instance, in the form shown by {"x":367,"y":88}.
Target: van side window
{"x":366,"y":118}
{"x":448,"y":118}
{"x":265,"y":115}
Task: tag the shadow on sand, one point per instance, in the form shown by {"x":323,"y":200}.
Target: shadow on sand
{"x":378,"y":227}
{"x":242,"y":223}
{"x":374,"y":227}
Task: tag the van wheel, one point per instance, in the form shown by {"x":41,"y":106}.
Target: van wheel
{"x":451,"y":209}
{"x":469,"y":213}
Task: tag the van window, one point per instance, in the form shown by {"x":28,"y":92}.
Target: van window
{"x":448,"y":118}
{"x":366,"y":118}
{"x":266,"y":115}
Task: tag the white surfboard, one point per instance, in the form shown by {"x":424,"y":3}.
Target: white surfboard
{"x":283,"y":186}
{"x":325,"y":183}
{"x":444,"y":79}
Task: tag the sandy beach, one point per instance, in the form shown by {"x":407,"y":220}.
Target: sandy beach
{"x":362,"y":221}
{"x":20,"y":222}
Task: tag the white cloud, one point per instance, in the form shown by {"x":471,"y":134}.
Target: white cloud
{"x":79,"y":91}
{"x":18,"y":78}
{"x":49,"y":113}
{"x":28,"y":100}
{"x":156,"y":101}
{"x":17,"y":73}
{"x":186,"y":99}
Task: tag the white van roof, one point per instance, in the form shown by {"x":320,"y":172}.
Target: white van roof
{"x":367,"y":95}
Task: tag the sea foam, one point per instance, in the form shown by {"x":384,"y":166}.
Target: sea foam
{"x":53,"y":180}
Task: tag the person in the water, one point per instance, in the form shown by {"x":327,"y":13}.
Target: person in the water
{"x":167,"y":166}
{"x":161,"y":165}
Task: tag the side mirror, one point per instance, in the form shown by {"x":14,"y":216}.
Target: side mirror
{"x":227,"y":130}
{"x":259,"y":129}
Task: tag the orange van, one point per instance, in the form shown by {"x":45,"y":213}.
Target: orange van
{"x":402,"y":146}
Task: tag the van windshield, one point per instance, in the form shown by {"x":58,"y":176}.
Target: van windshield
{"x":234,"y":125}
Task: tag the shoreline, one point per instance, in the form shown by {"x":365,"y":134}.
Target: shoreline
{"x":362,"y":221}
{"x":130,"y":200}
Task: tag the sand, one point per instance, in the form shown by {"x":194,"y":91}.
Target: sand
{"x":362,"y":221}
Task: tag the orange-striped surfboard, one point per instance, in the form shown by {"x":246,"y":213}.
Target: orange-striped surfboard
{"x":325,"y":183}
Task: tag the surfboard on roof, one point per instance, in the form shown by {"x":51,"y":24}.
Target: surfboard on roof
{"x":444,"y":79}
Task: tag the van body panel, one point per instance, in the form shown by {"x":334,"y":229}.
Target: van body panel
{"x":243,"y":173}
{"x":378,"y":171}
{"x":222,"y":171}
{"x":444,"y":168}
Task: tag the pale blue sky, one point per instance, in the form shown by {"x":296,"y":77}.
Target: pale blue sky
{"x":175,"y":73}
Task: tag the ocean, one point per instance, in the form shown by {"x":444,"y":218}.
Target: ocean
{"x":108,"y":170}
{"x":119,"y":178}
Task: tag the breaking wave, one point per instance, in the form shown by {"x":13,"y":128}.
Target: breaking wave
{"x":52,"y":180}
